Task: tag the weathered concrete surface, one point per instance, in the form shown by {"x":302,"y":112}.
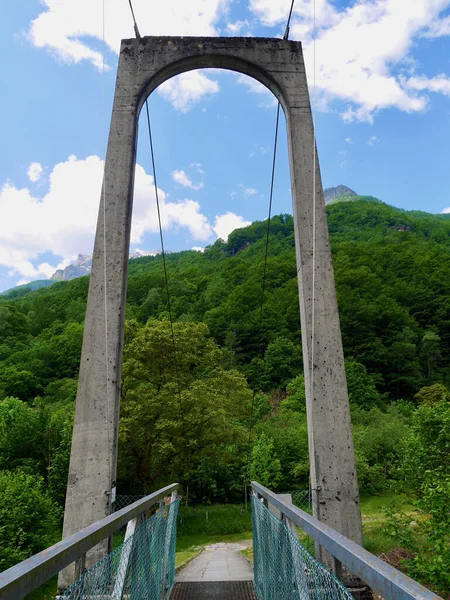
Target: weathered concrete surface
{"x":143,"y":65}
{"x":218,"y":562}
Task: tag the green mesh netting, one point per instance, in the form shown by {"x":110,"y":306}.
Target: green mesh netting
{"x":122,"y":501}
{"x":283,"y":568}
{"x":142,"y":567}
{"x":302,"y":499}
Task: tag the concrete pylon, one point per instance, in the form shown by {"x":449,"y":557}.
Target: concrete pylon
{"x":143,"y":65}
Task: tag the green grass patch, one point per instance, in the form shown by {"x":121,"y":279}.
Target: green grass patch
{"x":185,"y":542}
{"x":247,"y":553}
{"x":46,"y":591}
{"x":187,"y":555}
{"x":216,"y":519}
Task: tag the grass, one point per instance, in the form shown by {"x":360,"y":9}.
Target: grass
{"x":186,"y":541}
{"x":216,"y":519}
{"x":185,"y":556}
{"x":376,"y":538}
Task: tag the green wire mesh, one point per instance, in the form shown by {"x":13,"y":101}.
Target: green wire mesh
{"x":142,"y":567}
{"x":302,"y":499}
{"x":122,"y":501}
{"x":283,"y":568}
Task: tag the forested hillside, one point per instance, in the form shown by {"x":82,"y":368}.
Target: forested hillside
{"x":392,"y":272}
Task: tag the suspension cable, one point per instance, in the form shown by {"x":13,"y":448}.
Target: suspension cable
{"x":105,"y":279}
{"x":313,"y":474}
{"x":266,"y":250}
{"x":136,"y":29}
{"x":286,"y":31}
{"x":163,"y":254}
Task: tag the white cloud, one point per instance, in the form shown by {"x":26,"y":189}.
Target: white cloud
{"x":237,"y":26}
{"x":34,"y":171}
{"x":247,"y":191}
{"x":256,"y":87}
{"x":187,"y":89}
{"x":70,"y":31}
{"x":63,"y":220}
{"x":349,"y":140}
{"x":439,"y":84}
{"x":198,"y":248}
{"x":438,"y":28}
{"x":373,"y":140}
{"x":183,"y":179}
{"x":362,"y":50}
{"x":225,"y":224}
{"x":446,"y":211}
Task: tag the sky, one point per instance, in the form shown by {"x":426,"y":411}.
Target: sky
{"x":379,"y":86}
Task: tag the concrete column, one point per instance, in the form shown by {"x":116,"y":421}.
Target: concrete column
{"x":143,"y":65}
{"x":332,"y":461}
{"x":92,"y":469}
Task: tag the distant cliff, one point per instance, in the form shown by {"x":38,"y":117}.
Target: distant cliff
{"x":336,"y":192}
{"x":83,"y":264}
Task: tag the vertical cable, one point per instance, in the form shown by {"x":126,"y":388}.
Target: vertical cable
{"x":313,"y":475}
{"x":104,"y":250}
{"x":266,"y":252}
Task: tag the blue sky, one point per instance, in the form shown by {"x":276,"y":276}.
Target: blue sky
{"x":382,"y":112}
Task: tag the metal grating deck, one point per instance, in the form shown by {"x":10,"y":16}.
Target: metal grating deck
{"x":208,"y":590}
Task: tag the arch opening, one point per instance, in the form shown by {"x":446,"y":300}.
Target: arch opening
{"x":210,"y":61}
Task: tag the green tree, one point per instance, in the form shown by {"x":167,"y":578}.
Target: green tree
{"x":180,"y":412}
{"x":295,"y":395}
{"x":29,"y":520}
{"x":360,"y":384}
{"x":264,"y":467}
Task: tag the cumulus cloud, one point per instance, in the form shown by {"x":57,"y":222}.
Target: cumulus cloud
{"x":34,"y":171}
{"x":439,"y":84}
{"x":183,"y":179}
{"x":187,"y":89}
{"x":225,"y":224}
{"x":63,"y":220}
{"x":350,"y":62}
{"x":446,"y":211}
{"x":70,"y":31}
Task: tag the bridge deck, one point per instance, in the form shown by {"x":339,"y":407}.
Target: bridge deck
{"x":208,"y":590}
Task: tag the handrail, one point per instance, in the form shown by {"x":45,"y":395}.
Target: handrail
{"x":23,"y":578}
{"x":386,"y":581}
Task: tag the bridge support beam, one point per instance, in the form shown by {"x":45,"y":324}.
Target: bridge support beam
{"x":143,"y":65}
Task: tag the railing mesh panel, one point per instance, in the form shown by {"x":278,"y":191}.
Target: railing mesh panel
{"x":142,"y":567}
{"x":283,"y":568}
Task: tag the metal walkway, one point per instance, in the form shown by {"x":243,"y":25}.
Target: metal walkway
{"x":208,"y":590}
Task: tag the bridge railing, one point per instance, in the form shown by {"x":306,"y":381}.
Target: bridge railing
{"x":383,"y":579}
{"x":23,"y":578}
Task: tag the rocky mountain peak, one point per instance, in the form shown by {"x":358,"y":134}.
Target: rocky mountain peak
{"x":336,"y":192}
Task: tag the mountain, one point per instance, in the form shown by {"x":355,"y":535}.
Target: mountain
{"x":83,"y":264}
{"x":337,"y":192}
{"x":21,"y":290}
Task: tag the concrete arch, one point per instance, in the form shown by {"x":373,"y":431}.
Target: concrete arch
{"x":143,"y":65}
{"x":211,"y":62}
